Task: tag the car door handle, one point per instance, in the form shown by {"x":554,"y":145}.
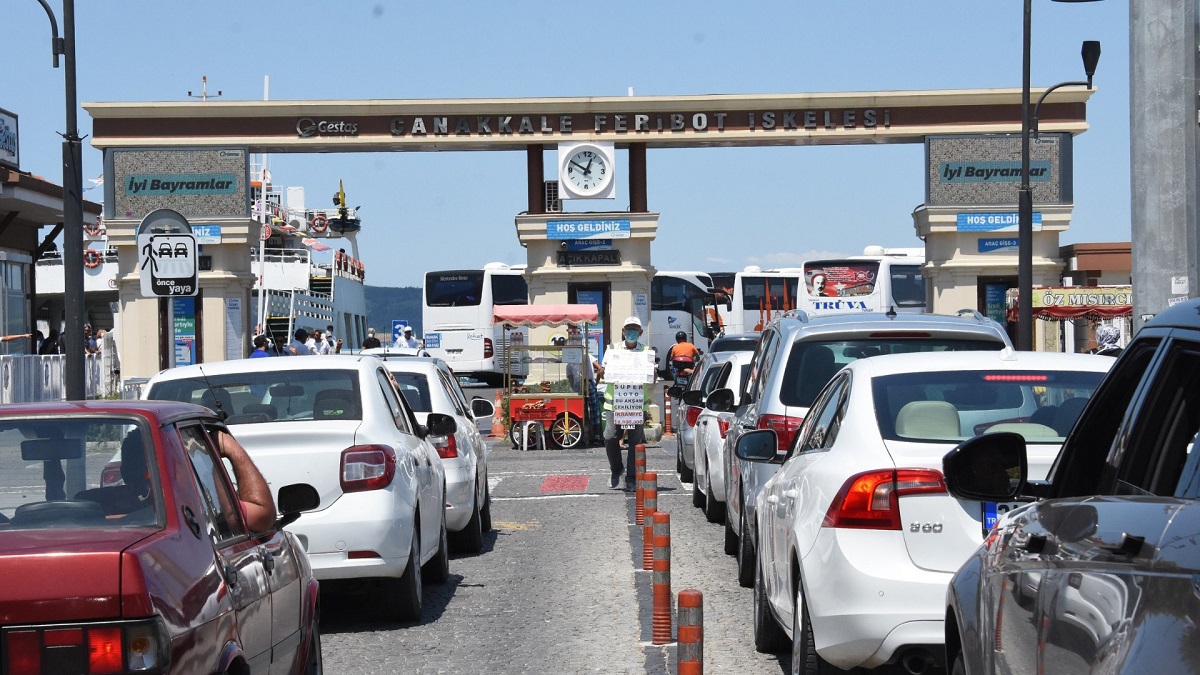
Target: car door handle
{"x":772,"y":499}
{"x":268,"y":561}
{"x":231,"y":575}
{"x":790,"y":494}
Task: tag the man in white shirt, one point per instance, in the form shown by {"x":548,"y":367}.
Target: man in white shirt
{"x":407,"y":339}
{"x":317,"y":342}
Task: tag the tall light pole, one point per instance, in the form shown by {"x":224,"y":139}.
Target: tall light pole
{"x":1025,"y":195}
{"x":72,"y":336}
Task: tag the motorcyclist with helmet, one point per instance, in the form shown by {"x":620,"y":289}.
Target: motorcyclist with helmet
{"x":683,"y":357}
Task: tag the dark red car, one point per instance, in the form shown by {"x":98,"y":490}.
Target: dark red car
{"x":156,"y":573}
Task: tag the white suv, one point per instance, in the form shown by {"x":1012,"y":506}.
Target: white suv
{"x":797,"y":356}
{"x":339,"y":424}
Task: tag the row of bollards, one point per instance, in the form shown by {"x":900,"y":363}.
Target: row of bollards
{"x":656,"y":558}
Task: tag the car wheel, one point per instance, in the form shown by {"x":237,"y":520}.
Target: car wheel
{"x":485,"y":514}
{"x":805,"y":658}
{"x":731,"y":538}
{"x":470,"y":539}
{"x":314,"y":665}
{"x":566,"y":432}
{"x":402,"y":597}
{"x":769,"y":637}
{"x":686,"y":475}
{"x":714,"y":510}
{"x":697,"y":496}
{"x":437,"y":570}
{"x":678,"y":459}
{"x":746,"y":559}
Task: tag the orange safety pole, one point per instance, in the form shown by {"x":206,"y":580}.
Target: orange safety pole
{"x":639,"y":500}
{"x":690,"y":620}
{"x":667,"y":412}
{"x":660,"y":578}
{"x":650,"y":501}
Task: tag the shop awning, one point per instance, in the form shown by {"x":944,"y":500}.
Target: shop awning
{"x":1076,"y":302}
{"x":545,"y":315}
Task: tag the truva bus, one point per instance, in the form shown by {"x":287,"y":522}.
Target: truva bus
{"x":880,"y":280}
{"x":456,"y":313}
{"x":876,"y":281}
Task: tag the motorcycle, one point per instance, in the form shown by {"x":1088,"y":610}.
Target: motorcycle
{"x":681,"y":369}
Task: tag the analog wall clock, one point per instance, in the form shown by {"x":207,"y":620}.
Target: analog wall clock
{"x":585,"y":171}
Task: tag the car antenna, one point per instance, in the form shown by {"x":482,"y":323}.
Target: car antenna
{"x":221,"y":412}
{"x":891,"y":313}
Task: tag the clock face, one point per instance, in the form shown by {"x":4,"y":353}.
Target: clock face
{"x":588,"y":171}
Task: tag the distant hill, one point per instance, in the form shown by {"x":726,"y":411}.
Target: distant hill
{"x":386,"y":304}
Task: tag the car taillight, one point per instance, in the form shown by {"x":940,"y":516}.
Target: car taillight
{"x":488,"y":349}
{"x":785,"y":428}
{"x":447,"y":447}
{"x":870,"y":500}
{"x":692,"y":414}
{"x":118,"y":647}
{"x":367,"y":467}
{"x":111,"y":474}
{"x":723,"y":426}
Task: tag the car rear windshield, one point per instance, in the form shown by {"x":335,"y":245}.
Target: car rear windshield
{"x":270,"y":396}
{"x":953,"y":406}
{"x":461,"y":288}
{"x":76,"y":472}
{"x":732,"y":344}
{"x":415,"y":388}
{"x":812,"y":364}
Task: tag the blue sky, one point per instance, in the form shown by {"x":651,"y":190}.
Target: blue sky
{"x":721,"y":209}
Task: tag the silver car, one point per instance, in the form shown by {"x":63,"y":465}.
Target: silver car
{"x":339,"y":424}
{"x":795,"y":359}
{"x":429,"y":386}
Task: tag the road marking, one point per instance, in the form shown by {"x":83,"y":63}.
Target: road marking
{"x":564,"y":483}
{"x":538,"y":497}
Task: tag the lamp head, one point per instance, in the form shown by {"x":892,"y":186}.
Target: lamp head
{"x":1091,"y":56}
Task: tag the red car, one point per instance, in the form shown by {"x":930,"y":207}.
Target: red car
{"x":156,"y":573}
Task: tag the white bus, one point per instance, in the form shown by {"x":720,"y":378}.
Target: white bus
{"x":680,"y":301}
{"x":754,"y":296}
{"x":877,"y":281}
{"x":456,"y":316}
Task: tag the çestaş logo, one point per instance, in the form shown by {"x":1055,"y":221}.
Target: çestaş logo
{"x":308,"y":127}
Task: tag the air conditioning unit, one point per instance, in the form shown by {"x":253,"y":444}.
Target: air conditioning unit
{"x":552,"y":203}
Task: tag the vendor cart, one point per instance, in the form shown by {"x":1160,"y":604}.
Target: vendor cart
{"x":557,"y":401}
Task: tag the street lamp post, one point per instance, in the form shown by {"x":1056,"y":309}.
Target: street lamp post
{"x":72,"y":336}
{"x":1025,"y":193}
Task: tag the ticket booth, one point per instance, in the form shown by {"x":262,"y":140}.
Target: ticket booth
{"x":600,"y":258}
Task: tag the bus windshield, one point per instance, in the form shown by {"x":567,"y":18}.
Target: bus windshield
{"x":456,"y":288}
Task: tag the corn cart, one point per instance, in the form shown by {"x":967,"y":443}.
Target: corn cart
{"x":556,"y":404}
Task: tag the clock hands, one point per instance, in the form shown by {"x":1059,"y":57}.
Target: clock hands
{"x":586,"y":169}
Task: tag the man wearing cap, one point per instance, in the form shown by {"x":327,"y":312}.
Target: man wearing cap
{"x":631,"y":332}
{"x":371,"y":342}
{"x":407,"y":339}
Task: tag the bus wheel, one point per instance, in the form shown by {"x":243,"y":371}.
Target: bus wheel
{"x":566,"y":432}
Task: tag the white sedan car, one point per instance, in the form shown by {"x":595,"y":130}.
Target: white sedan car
{"x":339,"y":424}
{"x":429,"y":386}
{"x":708,"y":489}
{"x":858,"y":537}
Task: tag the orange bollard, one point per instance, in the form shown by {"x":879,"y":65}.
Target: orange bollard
{"x":497,"y":417}
{"x":667,"y":413}
{"x":660,"y":578}
{"x":639,"y":500}
{"x":690,"y":620}
{"x":650,"y":505}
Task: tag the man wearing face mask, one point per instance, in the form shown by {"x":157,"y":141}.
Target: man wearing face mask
{"x":631,"y":332}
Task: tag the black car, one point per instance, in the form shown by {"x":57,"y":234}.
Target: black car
{"x":1099,"y":570}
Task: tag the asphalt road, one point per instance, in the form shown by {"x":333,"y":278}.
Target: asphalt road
{"x":559,"y":586}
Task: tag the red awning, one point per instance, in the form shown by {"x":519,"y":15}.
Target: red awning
{"x":545,"y":315}
{"x":1075,"y":312}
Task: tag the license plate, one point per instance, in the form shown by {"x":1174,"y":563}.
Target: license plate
{"x":992,"y":512}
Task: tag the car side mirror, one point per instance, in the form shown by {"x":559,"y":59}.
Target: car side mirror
{"x":693,"y":397}
{"x":760,"y":445}
{"x":721,"y":400}
{"x":293,"y":499}
{"x":675,"y":391}
{"x":481,"y":407}
{"x":440,"y":425}
{"x":987,"y":468}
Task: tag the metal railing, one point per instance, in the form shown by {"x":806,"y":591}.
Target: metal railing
{"x":28,"y":379}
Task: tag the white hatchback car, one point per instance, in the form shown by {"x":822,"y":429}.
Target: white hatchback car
{"x":857,"y":536}
{"x":339,"y":424}
{"x":708,"y":490}
{"x":429,"y":386}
